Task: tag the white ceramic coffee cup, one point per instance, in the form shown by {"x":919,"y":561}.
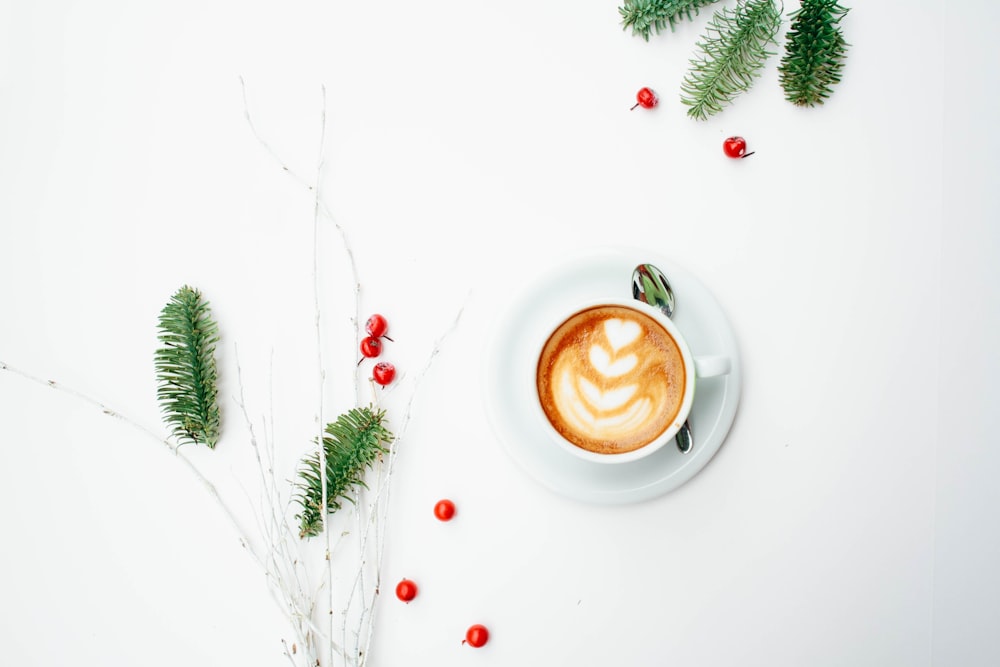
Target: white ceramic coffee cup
{"x":694,"y":368}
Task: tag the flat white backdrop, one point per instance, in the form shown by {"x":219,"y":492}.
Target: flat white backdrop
{"x":850,"y":517}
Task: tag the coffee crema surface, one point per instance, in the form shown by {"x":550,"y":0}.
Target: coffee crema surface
{"x":611,"y":379}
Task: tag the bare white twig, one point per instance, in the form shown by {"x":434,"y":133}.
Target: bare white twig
{"x":146,"y":431}
{"x":267,"y":147}
{"x":293,"y":615}
{"x":281,"y":564}
{"x":321,"y":369}
{"x":286,"y":569}
{"x":320,"y":212}
{"x":319,"y":203}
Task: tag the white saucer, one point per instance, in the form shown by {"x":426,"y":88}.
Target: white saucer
{"x":607,"y":274}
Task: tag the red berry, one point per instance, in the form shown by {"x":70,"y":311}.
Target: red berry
{"x":477,"y":635}
{"x":376,"y":326}
{"x":406,"y":590}
{"x":735,"y":147}
{"x":645,"y":98}
{"x":371,"y":347}
{"x":383,"y":372}
{"x":444,"y":510}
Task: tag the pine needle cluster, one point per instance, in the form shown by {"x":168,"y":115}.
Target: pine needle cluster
{"x":185,"y":368}
{"x":814,"y":52}
{"x":649,"y":16}
{"x":351,"y":445}
{"x":733,"y":51}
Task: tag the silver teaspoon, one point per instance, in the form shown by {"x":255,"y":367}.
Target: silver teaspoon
{"x":651,"y":286}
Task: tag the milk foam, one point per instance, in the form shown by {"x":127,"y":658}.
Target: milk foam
{"x":610,"y":379}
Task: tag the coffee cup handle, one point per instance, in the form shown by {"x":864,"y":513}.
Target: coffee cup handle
{"x":712,"y":366}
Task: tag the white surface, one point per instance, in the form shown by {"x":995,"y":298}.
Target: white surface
{"x":855,"y":254}
{"x":512,"y":351}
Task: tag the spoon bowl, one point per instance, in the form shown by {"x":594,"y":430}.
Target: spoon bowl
{"x":650,"y":286}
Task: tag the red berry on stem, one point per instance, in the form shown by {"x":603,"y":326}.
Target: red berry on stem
{"x":371,"y":347}
{"x":444,"y":510}
{"x":477,"y":635}
{"x":735,"y":147}
{"x":406,"y":590}
{"x":376,"y":326}
{"x":645,"y":98}
{"x":383,"y":372}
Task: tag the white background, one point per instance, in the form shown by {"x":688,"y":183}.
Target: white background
{"x":849,"y":519}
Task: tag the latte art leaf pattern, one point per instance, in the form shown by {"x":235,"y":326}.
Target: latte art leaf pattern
{"x":604,"y":364}
{"x":611,"y":379}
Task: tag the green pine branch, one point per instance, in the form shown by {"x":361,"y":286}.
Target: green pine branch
{"x":351,"y":446}
{"x":185,"y":368}
{"x":646,"y":16}
{"x":733,"y":51}
{"x":814,"y":52}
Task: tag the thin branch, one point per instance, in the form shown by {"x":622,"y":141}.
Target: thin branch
{"x":318,"y":201}
{"x":281,"y":539}
{"x":294,"y":615}
{"x":267,"y":147}
{"x":173,"y":447}
{"x":320,"y":367}
{"x":320,"y":212}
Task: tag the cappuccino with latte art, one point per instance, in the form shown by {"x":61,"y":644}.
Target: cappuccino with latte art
{"x":611,"y":379}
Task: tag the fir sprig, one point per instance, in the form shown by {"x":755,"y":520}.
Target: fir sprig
{"x":185,"y":368}
{"x":646,"y":16}
{"x":733,"y":51}
{"x":814,"y":52}
{"x":351,"y":446}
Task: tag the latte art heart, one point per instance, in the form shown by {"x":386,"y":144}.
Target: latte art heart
{"x":620,"y":333}
{"x":610,"y":379}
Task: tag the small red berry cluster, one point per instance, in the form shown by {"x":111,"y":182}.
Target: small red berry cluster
{"x":371,"y":346}
{"x":735,"y":147}
{"x":406,"y":590}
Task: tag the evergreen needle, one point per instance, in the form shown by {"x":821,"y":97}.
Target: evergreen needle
{"x":351,"y":445}
{"x":733,"y":51}
{"x":185,"y":368}
{"x":814,"y":52}
{"x":646,"y":16}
